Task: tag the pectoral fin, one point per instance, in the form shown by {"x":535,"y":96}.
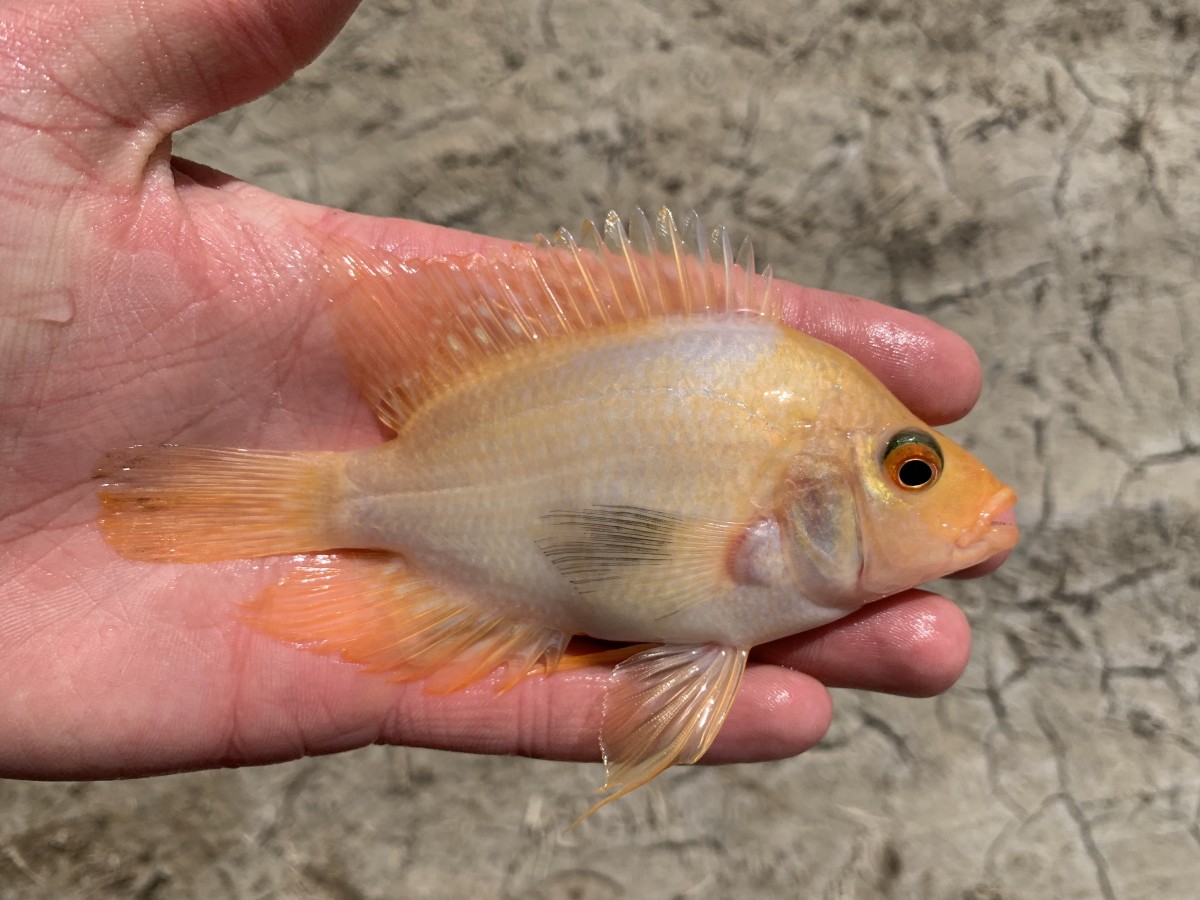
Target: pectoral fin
{"x":664,"y":706}
{"x":662,"y":561}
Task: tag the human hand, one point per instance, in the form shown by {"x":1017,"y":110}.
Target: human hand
{"x":147,"y":299}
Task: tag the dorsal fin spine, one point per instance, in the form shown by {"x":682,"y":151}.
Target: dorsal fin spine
{"x":658,"y":268}
{"x":564,"y":241}
{"x":745,"y":256}
{"x":618,"y":242}
{"x":663,"y":266}
{"x":693,"y":232}
{"x":520,"y":317}
{"x":591,"y":239}
{"x":588,"y":280}
{"x":668,"y":240}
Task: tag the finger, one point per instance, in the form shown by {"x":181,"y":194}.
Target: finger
{"x":100,"y":67}
{"x":930,"y":368}
{"x":217,"y":54}
{"x":915,"y":643}
{"x":778,"y":713}
{"x":987,"y":567}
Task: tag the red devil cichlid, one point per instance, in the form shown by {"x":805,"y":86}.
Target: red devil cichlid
{"x":617,"y":438}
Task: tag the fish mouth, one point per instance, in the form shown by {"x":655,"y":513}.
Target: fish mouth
{"x":995,"y":536}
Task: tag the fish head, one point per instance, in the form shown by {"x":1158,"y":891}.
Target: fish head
{"x":927,"y":508}
{"x":904,"y":506}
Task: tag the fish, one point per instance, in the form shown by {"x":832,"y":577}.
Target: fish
{"x":614,"y":437}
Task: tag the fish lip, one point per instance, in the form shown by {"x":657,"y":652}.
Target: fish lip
{"x":997,"y":536}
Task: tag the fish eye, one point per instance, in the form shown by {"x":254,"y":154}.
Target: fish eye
{"x":913,"y":460}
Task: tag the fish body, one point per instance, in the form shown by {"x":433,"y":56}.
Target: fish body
{"x":698,"y":417}
{"x":623,"y":442}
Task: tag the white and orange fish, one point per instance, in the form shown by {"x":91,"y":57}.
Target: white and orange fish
{"x":617,"y":438}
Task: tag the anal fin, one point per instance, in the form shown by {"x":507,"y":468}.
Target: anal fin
{"x":664,"y":707}
{"x":373,"y":610}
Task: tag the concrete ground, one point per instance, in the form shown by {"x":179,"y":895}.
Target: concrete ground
{"x":1025,"y":173}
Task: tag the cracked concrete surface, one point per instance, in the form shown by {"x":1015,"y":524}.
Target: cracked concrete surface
{"x":1025,"y":173}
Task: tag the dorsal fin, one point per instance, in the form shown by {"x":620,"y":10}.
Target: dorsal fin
{"x":410,"y":328}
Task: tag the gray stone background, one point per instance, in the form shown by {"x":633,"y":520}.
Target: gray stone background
{"x":1023,"y":172}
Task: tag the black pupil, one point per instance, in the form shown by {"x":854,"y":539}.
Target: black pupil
{"x":915,"y":472}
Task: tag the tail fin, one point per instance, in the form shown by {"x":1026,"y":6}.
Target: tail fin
{"x":199,"y":504}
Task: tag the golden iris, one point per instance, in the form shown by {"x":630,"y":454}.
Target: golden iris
{"x":913,"y":460}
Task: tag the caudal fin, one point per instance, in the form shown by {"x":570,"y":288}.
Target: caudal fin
{"x":199,"y":504}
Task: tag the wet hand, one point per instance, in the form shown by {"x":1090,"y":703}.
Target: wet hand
{"x":146,"y":298}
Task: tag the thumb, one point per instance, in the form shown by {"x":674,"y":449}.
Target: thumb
{"x":207,"y":56}
{"x":91,"y":90}
{"x":97,"y":70}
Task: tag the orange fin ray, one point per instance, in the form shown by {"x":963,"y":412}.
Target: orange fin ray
{"x":373,"y":610}
{"x":572,"y":662}
{"x":199,"y":504}
{"x":412,"y":328}
{"x":664,"y":707}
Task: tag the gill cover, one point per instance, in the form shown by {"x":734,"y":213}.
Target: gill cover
{"x":824,"y":540}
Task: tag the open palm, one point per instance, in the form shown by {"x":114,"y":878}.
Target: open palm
{"x":144,"y":299}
